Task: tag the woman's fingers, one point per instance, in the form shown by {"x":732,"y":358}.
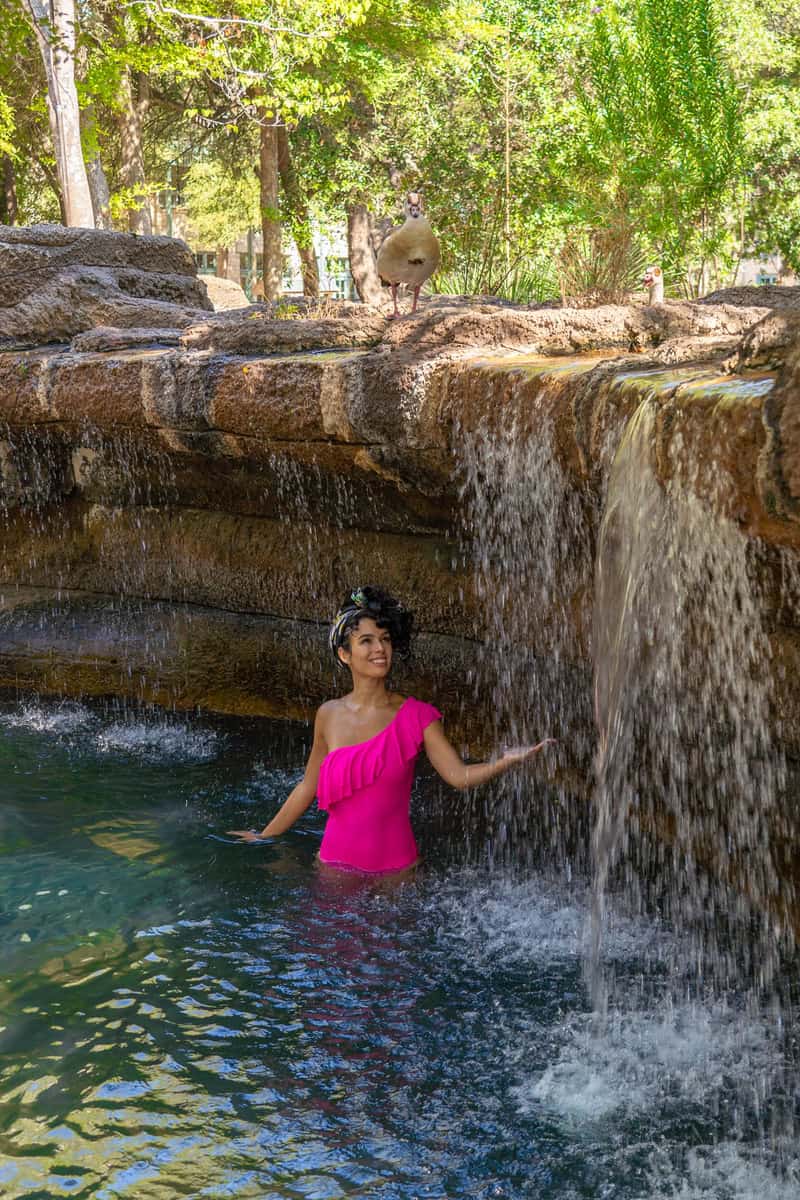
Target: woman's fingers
{"x":247,"y":834}
{"x":521,"y":753}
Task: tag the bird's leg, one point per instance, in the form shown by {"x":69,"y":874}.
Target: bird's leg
{"x":396,"y":312}
{"x":416,"y":298}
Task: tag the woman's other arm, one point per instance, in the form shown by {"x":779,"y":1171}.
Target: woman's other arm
{"x":300,"y":798}
{"x":448,"y":763}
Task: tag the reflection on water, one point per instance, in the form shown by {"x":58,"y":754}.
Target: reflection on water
{"x":186,"y":1018}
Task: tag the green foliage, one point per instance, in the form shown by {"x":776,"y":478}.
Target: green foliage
{"x":221,"y":205}
{"x":663,"y":117}
{"x":530,"y":282}
{"x":557,"y":144}
{"x":770,"y":202}
{"x":479,"y":265}
{"x":603,"y":264}
{"x":6,"y":125}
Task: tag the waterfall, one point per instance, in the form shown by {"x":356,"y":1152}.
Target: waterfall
{"x":683,"y":704}
{"x":687,"y":811}
{"x":527,"y":535}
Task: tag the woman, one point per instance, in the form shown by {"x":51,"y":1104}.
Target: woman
{"x":361,"y":765}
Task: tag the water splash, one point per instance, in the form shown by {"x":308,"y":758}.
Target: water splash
{"x":727,"y":1171}
{"x":683,"y":707}
{"x":62,"y":719}
{"x":159,"y":741}
{"x":528,"y":534}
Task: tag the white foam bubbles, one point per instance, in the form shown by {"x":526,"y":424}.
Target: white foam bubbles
{"x":159,"y":741}
{"x":62,"y":719}
{"x":637,"y":1063}
{"x":727,"y":1171}
{"x":273,"y":783}
{"x":155,"y":738}
{"x":529,"y":920}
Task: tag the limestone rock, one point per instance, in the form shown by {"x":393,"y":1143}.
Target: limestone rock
{"x":782,"y":418}
{"x":219,"y":464}
{"x":56,"y":282}
{"x":548,"y":330}
{"x":224,"y":294}
{"x":43,"y":247}
{"x":694,"y":349}
{"x":766,"y":343}
{"x":107,"y":339}
{"x":766,"y":296}
{"x":81,"y":298}
{"x":255,"y":330}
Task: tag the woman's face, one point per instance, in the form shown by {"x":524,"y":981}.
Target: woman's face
{"x":370,"y":650}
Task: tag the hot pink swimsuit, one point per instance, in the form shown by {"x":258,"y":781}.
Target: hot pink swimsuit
{"x":366,"y":791}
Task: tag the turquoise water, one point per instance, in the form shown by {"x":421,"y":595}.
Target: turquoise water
{"x":182,"y":1017}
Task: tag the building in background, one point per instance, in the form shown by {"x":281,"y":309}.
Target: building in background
{"x":767,"y":268}
{"x":242,"y":262}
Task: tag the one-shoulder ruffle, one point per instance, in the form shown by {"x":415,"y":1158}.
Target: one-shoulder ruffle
{"x":351,"y":768}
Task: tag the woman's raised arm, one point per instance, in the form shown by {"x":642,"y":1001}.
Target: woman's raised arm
{"x":446,"y":761}
{"x":300,"y":798}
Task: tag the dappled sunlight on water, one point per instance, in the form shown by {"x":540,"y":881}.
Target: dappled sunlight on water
{"x":185,"y":1017}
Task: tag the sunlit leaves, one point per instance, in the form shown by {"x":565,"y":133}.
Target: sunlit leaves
{"x":664,"y":120}
{"x":222,"y":205}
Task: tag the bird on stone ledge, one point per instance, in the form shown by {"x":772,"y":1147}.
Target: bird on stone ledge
{"x":410,"y":255}
{"x":654,"y":282}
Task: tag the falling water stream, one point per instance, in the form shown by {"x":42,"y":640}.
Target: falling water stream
{"x":683,"y":714}
{"x":691,"y":816}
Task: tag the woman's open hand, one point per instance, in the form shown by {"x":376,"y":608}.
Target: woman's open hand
{"x":245,"y":835}
{"x":518,"y":754}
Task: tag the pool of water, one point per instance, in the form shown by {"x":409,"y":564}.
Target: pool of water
{"x":183,"y":1017}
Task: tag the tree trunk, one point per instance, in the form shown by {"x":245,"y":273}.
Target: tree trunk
{"x":268,"y":175}
{"x":229,"y":264}
{"x":98,"y":183}
{"x":379,"y":230}
{"x":362,"y":256}
{"x":132,"y":173}
{"x":100,"y":192}
{"x":10,"y":210}
{"x":54,"y":23}
{"x":297,"y":211}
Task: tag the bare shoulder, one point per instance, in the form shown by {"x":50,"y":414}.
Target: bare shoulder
{"x":326,"y":713}
{"x":327,"y":710}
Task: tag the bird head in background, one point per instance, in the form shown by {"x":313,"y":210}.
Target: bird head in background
{"x":651,"y":276}
{"x":414,"y":204}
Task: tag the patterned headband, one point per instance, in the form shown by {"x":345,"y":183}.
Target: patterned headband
{"x":358,"y":604}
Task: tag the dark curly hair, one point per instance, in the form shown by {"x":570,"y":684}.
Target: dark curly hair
{"x":385,"y":611}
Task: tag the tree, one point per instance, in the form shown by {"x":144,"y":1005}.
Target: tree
{"x":134,"y":95}
{"x":764,"y":37}
{"x":263,"y":57}
{"x":297,"y":211}
{"x":541,"y":132}
{"x":55,"y":27}
{"x":664,"y":125}
{"x":222,"y":204}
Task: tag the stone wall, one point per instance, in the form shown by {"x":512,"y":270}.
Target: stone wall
{"x":252,"y":469}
